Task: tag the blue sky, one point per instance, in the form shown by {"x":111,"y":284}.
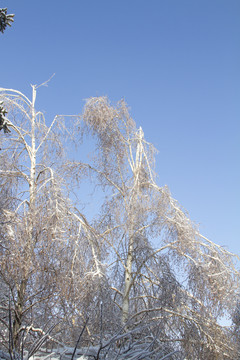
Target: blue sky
{"x":176,"y":63}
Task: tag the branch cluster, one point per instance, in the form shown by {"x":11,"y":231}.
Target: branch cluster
{"x":5,"y":20}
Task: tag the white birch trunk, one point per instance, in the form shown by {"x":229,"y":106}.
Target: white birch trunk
{"x":127,"y":283}
{"x":129,"y":261}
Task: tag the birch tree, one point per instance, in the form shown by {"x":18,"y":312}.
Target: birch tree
{"x":164,"y":272}
{"x":42,"y":233}
{"x":139,"y":267}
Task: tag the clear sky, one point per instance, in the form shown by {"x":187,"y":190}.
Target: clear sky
{"x":176,"y":63}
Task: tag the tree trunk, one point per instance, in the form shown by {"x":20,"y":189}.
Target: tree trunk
{"x":18,"y":315}
{"x":127,"y":283}
{"x":21,"y":290}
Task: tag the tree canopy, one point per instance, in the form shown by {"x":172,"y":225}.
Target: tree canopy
{"x":138,"y":277}
{"x":5,"y":20}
